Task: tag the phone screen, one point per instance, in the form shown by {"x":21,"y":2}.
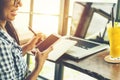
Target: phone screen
{"x":47,"y":42}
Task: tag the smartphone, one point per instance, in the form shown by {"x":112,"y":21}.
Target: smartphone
{"x":51,"y":39}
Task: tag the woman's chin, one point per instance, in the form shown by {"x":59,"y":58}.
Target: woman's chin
{"x":11,"y":19}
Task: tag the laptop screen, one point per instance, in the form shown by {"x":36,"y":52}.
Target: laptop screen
{"x":98,"y":24}
{"x":99,"y":16}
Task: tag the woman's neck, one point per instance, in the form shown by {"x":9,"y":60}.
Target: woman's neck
{"x":2,"y":24}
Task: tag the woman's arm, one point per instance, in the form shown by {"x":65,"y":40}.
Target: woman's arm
{"x":40,"y":58}
{"x":29,"y":45}
{"x":32,"y":43}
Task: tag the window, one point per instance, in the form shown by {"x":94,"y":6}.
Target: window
{"x":46,"y":16}
{"x":42,"y":18}
{"x":21,"y":21}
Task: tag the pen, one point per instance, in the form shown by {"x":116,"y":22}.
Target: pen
{"x":32,"y":31}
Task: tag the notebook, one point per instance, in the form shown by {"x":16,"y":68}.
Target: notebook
{"x":59,"y":43}
{"x":84,"y":48}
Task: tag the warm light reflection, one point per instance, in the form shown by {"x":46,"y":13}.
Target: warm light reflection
{"x":41,"y":22}
{"x":45,"y":24}
{"x":47,"y":6}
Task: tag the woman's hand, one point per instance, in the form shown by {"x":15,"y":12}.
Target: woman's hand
{"x":33,"y":42}
{"x":36,"y":39}
{"x":41,"y":37}
{"x":40,"y":58}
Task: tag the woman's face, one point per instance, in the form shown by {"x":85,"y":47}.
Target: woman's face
{"x":10,"y":10}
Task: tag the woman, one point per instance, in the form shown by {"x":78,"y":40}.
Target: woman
{"x":12,"y":64}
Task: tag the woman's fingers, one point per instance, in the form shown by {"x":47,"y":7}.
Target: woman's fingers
{"x":40,"y":37}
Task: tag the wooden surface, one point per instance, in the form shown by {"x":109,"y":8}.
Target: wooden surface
{"x":95,"y":66}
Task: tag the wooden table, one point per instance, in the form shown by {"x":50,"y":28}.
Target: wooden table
{"x":93,"y":65}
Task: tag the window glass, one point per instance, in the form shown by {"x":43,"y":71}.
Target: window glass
{"x":45,"y":24}
{"x":40,"y":18}
{"x":22,"y":19}
{"x":71,"y":7}
{"x":25,"y":6}
{"x":47,"y":6}
{"x":21,"y":25}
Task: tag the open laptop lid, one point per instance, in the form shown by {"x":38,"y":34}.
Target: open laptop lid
{"x":100,"y":16}
{"x":94,"y":26}
{"x":99,"y":21}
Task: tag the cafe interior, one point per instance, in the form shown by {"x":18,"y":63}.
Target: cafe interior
{"x":77,"y":20}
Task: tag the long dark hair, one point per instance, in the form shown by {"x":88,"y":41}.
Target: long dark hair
{"x":11,"y":31}
{"x":2,"y":5}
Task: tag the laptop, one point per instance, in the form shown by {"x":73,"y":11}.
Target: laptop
{"x":84,"y":48}
{"x":94,"y":38}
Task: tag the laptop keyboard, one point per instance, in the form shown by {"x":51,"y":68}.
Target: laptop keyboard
{"x":84,"y":44}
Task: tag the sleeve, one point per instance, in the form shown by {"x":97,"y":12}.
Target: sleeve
{"x":6,"y":63}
